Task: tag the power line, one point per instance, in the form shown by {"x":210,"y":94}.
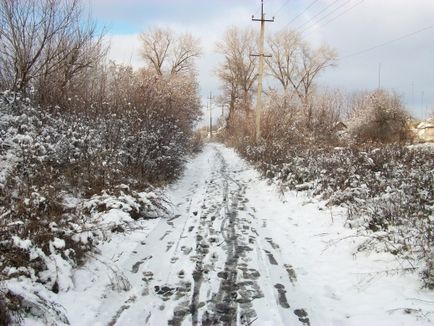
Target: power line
{"x":283,"y":6}
{"x":257,"y":11}
{"x":324,"y":17}
{"x":388,"y":42}
{"x":318,"y":14}
{"x":341,"y":14}
{"x":301,"y":13}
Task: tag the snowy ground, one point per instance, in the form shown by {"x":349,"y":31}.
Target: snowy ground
{"x":237,"y":252}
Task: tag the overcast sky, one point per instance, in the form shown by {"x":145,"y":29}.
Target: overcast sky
{"x":351,"y":26}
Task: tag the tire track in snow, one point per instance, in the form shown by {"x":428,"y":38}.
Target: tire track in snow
{"x":231,"y":304}
{"x":218,"y":259}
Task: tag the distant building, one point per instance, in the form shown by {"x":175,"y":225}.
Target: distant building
{"x":424,"y":131}
{"x":339,"y":126}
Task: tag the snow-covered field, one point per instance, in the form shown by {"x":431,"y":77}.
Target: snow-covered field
{"x":235,"y":251}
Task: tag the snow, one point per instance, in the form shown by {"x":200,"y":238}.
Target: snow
{"x":58,"y":271}
{"x":39,"y":302}
{"x":58,"y":243}
{"x":292,"y":258}
{"x":22,"y":244}
{"x":116,"y":216}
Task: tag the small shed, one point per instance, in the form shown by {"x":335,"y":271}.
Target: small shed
{"x":339,"y":126}
{"x":425,"y":131}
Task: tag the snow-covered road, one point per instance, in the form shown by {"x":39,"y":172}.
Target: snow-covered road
{"x":235,"y":252}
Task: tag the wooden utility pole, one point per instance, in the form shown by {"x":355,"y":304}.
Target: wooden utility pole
{"x":261,"y":56}
{"x":210,"y":114}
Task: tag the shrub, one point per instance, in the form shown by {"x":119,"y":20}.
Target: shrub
{"x":61,"y":173}
{"x":379,"y":117}
{"x":388,"y":190}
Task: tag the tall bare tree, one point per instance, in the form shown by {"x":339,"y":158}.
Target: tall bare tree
{"x":285,"y":47}
{"x":40,"y":38}
{"x":166,"y":52}
{"x":297,"y":65}
{"x":238,"y":70}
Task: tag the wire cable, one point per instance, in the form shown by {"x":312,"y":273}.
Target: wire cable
{"x":283,"y":6}
{"x":388,"y":42}
{"x":301,"y":13}
{"x":340,"y":15}
{"x":257,"y":11}
{"x":318,"y":14}
{"x":315,"y":23}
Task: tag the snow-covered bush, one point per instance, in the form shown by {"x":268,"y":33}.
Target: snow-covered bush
{"x":379,"y":117}
{"x":82,"y":143}
{"x":69,"y":178}
{"x":44,"y":239}
{"x":387,"y":190}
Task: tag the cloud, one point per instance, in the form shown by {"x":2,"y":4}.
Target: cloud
{"x":125,"y":49}
{"x":403,"y":63}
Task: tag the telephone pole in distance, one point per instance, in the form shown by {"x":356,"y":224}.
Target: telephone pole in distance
{"x":210,"y":114}
{"x":261,"y":56}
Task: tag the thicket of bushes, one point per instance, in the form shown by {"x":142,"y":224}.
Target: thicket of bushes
{"x":52,"y":155}
{"x":387,"y":186}
{"x":349,"y":149}
{"x":388,"y":190}
{"x":80,"y":138}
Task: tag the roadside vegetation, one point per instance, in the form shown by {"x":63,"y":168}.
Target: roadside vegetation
{"x":85,"y":143}
{"x":80,"y":139}
{"x":351,"y":150}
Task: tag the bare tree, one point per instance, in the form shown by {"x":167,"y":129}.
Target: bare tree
{"x":82,"y":54}
{"x":238,"y":70}
{"x":156,"y":44}
{"x":296,"y":65}
{"x":184,"y":52}
{"x":166,"y":52}
{"x":38,"y":38}
{"x":285,"y":47}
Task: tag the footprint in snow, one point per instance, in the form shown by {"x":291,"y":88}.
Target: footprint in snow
{"x":302,"y":316}
{"x":283,"y":301}
{"x":291,"y":273}
{"x":271,"y":258}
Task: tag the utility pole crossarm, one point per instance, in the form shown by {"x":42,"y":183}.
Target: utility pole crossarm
{"x":262,"y":19}
{"x":261,"y":56}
